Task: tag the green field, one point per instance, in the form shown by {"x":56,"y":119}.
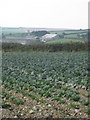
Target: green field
{"x":71,"y":36}
{"x":43,"y":83}
{"x":70,"y":31}
{"x":65,"y":41}
{"x":7,"y":31}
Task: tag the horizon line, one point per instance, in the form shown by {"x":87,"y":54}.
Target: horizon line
{"x":42,"y":27}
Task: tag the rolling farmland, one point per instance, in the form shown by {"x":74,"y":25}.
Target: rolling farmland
{"x":46,"y":76}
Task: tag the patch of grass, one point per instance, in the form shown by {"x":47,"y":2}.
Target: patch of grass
{"x":42,"y":101}
{"x":75,"y":97}
{"x":6,"y":95}
{"x":56,"y":108}
{"x":18,"y":102}
{"x":56,"y":98}
{"x":36,"y":98}
{"x":62,"y":101}
{"x":47,"y":94}
{"x":85,"y":95}
{"x":86,"y":102}
{"x":6,"y":105}
{"x":76,"y":106}
{"x":88,"y":111}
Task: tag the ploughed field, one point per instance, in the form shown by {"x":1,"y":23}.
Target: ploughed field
{"x":44,"y":84}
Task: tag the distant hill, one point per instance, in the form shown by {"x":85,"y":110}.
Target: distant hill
{"x":39,"y":33}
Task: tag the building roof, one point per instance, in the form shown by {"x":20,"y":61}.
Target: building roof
{"x":49,"y":36}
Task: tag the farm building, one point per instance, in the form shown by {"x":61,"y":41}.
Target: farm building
{"x":50,"y":37}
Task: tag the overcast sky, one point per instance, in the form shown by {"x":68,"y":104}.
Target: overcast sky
{"x":44,"y":13}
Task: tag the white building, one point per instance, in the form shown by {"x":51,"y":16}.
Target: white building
{"x":49,"y":37}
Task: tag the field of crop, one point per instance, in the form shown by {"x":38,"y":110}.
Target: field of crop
{"x":44,"y":84}
{"x":69,"y":31}
{"x":71,"y":35}
{"x":65,"y":40}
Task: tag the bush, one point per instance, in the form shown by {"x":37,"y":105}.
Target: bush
{"x":45,"y":47}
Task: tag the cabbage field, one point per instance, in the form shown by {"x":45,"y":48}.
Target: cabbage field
{"x":45,"y":84}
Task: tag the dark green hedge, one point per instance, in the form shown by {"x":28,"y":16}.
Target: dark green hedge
{"x":45,"y":47}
